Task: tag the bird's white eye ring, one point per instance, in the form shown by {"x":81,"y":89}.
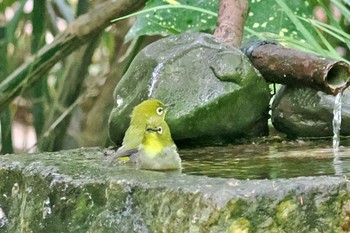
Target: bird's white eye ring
{"x":160,"y":130}
{"x":160,"y":111}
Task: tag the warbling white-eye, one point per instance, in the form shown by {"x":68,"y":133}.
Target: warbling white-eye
{"x":140,"y":115}
{"x":157,"y":150}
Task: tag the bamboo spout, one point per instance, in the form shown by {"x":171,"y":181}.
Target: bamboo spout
{"x":337,"y":77}
{"x":295,"y":68}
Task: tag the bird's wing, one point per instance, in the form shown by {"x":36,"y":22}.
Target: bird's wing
{"x":123,"y":153}
{"x":128,"y":153}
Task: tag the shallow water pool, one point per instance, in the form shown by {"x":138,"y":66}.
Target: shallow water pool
{"x":269,"y":160}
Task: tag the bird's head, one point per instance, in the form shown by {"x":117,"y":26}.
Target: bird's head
{"x":149,"y":109}
{"x":157,"y":135}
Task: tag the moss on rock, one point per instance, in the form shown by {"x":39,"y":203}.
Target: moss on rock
{"x":78,"y":191}
{"x":218,"y":95}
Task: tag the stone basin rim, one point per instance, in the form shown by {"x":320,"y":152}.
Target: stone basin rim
{"x":110,"y":198}
{"x":184,"y":182}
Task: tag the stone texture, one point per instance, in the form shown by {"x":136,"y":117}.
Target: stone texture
{"x":79,"y":191}
{"x":218,"y":95}
{"x":305,"y":112}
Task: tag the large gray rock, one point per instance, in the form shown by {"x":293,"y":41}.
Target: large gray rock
{"x":77,"y":191}
{"x":218,"y":94}
{"x":305,"y":112}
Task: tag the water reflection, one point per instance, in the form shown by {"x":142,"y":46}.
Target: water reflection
{"x":268,"y":161}
{"x":337,"y":163}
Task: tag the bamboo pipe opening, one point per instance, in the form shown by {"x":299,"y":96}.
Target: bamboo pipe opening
{"x":338,"y":76}
{"x":296,"y":68}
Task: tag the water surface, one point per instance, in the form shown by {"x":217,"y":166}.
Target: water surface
{"x":269,"y":160}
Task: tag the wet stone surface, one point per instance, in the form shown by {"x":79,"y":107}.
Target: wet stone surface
{"x":305,"y":112}
{"x":218,"y":95}
{"x":78,"y":191}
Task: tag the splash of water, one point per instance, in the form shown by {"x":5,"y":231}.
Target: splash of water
{"x":337,"y":121}
{"x":3,"y":219}
{"x":46,"y":208}
{"x":154,"y":79}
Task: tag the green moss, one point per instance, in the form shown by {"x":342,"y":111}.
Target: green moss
{"x":83,"y":208}
{"x":286,"y":211}
{"x":240,"y":225}
{"x":83,"y":194}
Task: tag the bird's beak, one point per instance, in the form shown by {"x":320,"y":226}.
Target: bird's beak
{"x":169,"y":105}
{"x":151,"y":129}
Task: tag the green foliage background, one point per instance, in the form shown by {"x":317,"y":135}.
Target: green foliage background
{"x":290,"y":22}
{"x":78,"y":122}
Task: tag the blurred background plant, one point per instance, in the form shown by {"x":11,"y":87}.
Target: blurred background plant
{"x":69,"y":106}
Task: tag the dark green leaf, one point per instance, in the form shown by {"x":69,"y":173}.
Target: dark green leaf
{"x":269,"y":16}
{"x":175,"y":20}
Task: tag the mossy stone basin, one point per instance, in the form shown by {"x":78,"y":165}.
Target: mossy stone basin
{"x":79,"y":191}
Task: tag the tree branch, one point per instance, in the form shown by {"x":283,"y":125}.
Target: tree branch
{"x":231,"y":19}
{"x":77,"y":34}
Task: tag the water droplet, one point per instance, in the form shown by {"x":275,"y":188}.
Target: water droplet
{"x":119,"y":101}
{"x":154,"y":78}
{"x":15,"y":189}
{"x":46,"y":208}
{"x":3,"y":218}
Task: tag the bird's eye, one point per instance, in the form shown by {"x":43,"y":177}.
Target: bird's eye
{"x":160,"y":130}
{"x":160,"y":111}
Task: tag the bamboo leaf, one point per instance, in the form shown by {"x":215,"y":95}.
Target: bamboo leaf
{"x":64,"y":10}
{"x":344,"y":9}
{"x":331,"y":30}
{"x":5,"y":132}
{"x":330,"y":50}
{"x":295,"y":20}
{"x":37,"y":41}
{"x":13,"y":24}
{"x":77,"y":34}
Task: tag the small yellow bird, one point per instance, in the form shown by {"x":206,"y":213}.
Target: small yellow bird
{"x":140,"y":115}
{"x":157,"y":150}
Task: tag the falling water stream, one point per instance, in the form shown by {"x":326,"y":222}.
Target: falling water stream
{"x":337,"y":121}
{"x":336,"y":133}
